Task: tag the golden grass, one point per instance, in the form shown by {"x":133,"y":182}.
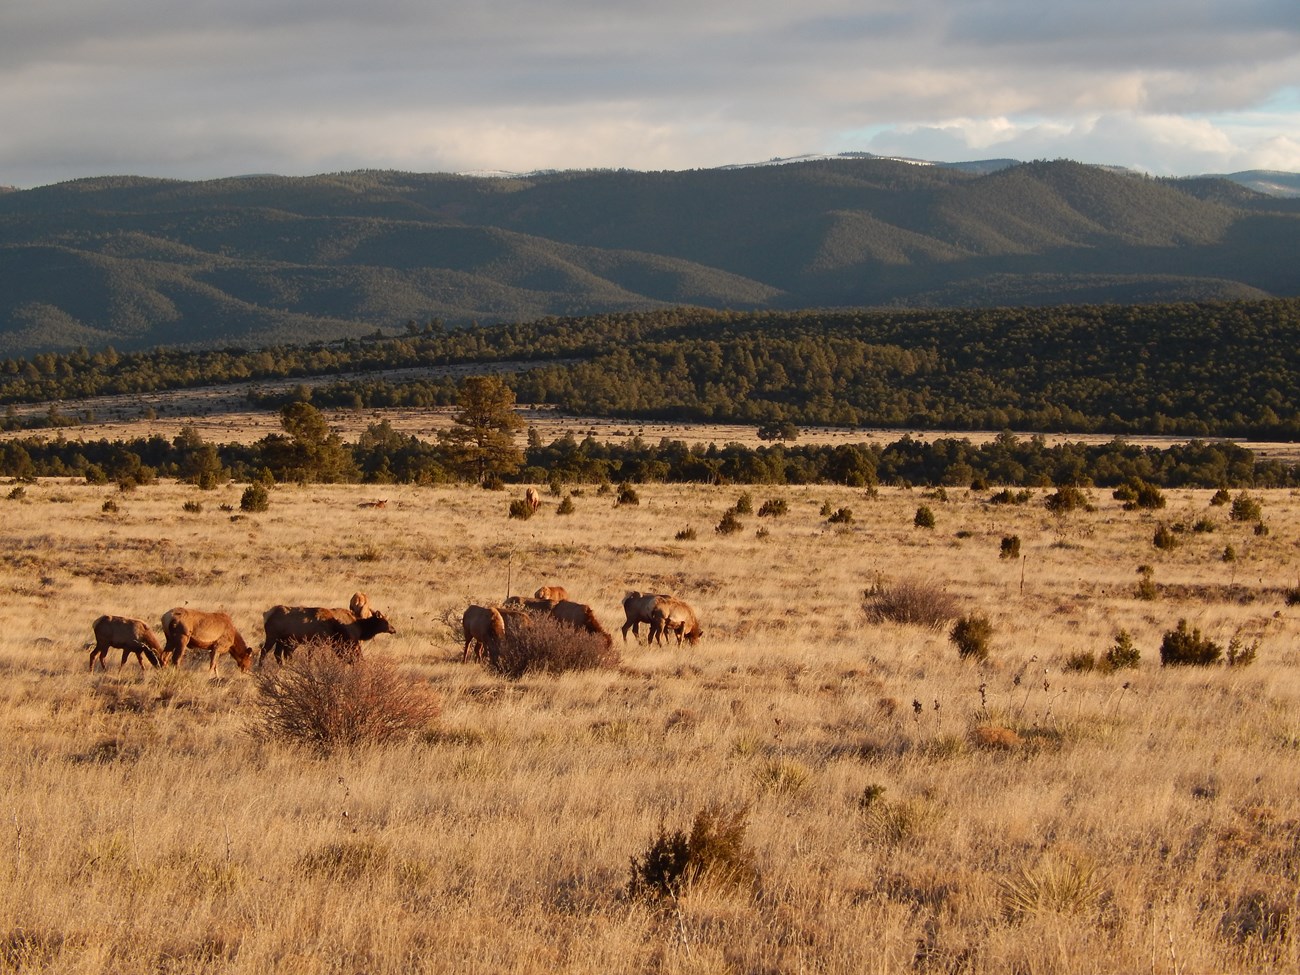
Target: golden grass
{"x":906,"y":810}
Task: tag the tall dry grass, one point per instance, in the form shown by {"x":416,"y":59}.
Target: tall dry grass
{"x":905,"y":809}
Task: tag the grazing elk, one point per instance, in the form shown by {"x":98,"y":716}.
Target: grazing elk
{"x":131,"y":636}
{"x":533,"y":498}
{"x":287,"y":626}
{"x":484,"y":629}
{"x":214,"y":632}
{"x":660,"y":612}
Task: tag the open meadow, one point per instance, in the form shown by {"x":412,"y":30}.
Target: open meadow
{"x":903,"y":808}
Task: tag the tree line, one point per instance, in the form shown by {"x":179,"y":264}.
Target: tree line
{"x":1200,"y":370}
{"x":480,"y":448}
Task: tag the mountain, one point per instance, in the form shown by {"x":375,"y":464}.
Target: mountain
{"x":137,"y":262}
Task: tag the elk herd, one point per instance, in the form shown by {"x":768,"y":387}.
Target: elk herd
{"x":344,"y":630}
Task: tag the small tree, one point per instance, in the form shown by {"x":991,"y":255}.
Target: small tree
{"x":255,"y":498}
{"x":1010,"y":547}
{"x":481,"y":441}
{"x":924,"y":517}
{"x":1245,"y":508}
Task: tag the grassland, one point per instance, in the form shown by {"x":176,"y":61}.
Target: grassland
{"x":906,"y":810}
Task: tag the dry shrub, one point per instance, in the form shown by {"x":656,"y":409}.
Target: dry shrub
{"x":325,"y":703}
{"x":714,"y":854}
{"x":1057,"y":885}
{"x":539,"y":643}
{"x":909,"y":602}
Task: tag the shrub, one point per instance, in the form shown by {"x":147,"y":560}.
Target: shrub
{"x":1067,"y":499}
{"x":826,"y":509}
{"x":713,"y":854}
{"x":1261,"y":529}
{"x":1229,"y":553}
{"x":1123,"y":655}
{"x":1164,"y":538}
{"x":539,"y":643}
{"x":1010,"y":547}
{"x":729,"y":524}
{"x":193,"y":507}
{"x":1203,"y":526}
{"x":255,"y":498}
{"x":1146,"y":587}
{"x":1221,"y":497}
{"x":971,"y":634}
{"x":566,"y":506}
{"x":18,"y":493}
{"x":627,"y":495}
{"x":685,"y":535}
{"x":841,"y":516}
{"x":744,"y":504}
{"x":109,"y":507}
{"x":1183,"y":647}
{"x":914,"y":603}
{"x":924,"y":517}
{"x":1081,"y":662}
{"x":521,"y":509}
{"x":1245,"y":508}
{"x":774,"y":507}
{"x":1137,"y":493}
{"x":324,"y":703}
{"x":1240,"y":654}
{"x":1007,"y":496}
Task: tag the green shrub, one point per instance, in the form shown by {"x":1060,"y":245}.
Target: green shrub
{"x":521,"y":509}
{"x":773,"y":507}
{"x":1146,"y":587}
{"x":1203,"y":526}
{"x":744,"y":504}
{"x":1221,"y":497}
{"x":1007,"y":496}
{"x":1184,"y":647}
{"x":1137,"y":493}
{"x":1123,"y":655}
{"x":17,"y":494}
{"x":713,"y":854}
{"x":1164,"y":538}
{"x":841,"y":516}
{"x":109,"y":507}
{"x":1081,"y":662}
{"x":1229,"y":553}
{"x":1245,"y":508}
{"x":566,"y":506}
{"x":255,"y":498}
{"x":971,"y":635}
{"x":1240,"y":654}
{"x":1010,"y":547}
{"x":1067,"y":499}
{"x":193,"y":507}
{"x":826,"y":509}
{"x":924,"y":517}
{"x":685,"y":535}
{"x":627,"y":495}
{"x":729,"y":524}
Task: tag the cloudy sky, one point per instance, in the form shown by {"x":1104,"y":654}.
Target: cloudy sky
{"x":205,"y":88}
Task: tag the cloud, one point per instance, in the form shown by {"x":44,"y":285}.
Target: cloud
{"x":212,"y":87}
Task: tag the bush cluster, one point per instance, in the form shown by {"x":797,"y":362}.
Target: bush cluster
{"x":323,"y":702}
{"x":539,"y":643}
{"x":910,"y":602}
{"x":1186,"y":647}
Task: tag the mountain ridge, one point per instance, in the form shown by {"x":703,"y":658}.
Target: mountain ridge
{"x":137,"y":261}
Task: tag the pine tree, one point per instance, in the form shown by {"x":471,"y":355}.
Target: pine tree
{"x":481,"y":441}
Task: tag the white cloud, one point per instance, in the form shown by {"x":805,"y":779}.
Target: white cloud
{"x":217,"y":86}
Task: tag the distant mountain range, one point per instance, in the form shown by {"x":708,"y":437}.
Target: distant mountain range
{"x":249,"y":261}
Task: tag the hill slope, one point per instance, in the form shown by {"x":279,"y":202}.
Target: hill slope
{"x":140,"y":262}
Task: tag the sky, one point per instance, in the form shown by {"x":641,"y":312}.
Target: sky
{"x":201,"y":89}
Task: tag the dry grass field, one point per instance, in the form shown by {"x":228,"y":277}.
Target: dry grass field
{"x":904,"y":809}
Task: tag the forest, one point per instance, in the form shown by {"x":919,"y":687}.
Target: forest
{"x":1209,"y":369}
